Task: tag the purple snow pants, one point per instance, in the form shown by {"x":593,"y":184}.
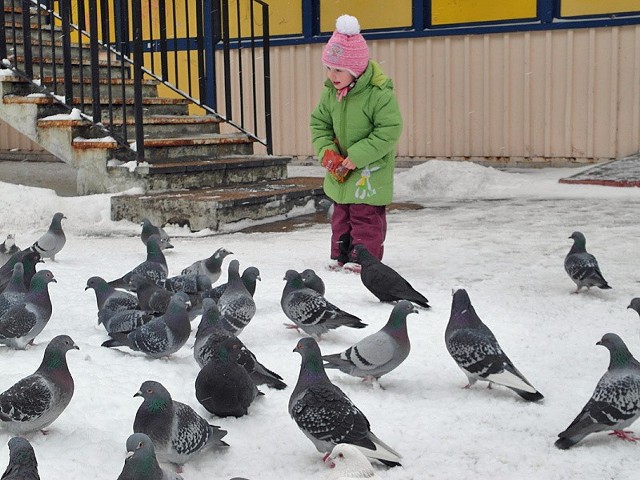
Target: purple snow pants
{"x":357,"y":223}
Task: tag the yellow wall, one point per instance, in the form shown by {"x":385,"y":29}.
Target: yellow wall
{"x":445,"y":12}
{"x":370,"y":14}
{"x":572,"y":8}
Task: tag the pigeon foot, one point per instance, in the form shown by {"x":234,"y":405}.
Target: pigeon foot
{"x":292,"y":326}
{"x":625,"y":435}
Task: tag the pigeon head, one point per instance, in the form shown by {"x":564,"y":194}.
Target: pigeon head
{"x":362,"y":255}
{"x":619,"y":353}
{"x":294,"y":278}
{"x":210,"y":317}
{"x":56,"y":221}
{"x":251,"y":273}
{"x":234,"y":267}
{"x":312,"y":363}
{"x":98,"y":284}
{"x":156,"y":397}
{"x":138,"y":281}
{"x":349,"y":462}
{"x":230,"y":349}
{"x":41,"y":279}
{"x":21,"y":452}
{"x":55,"y":353}
{"x":579,"y":243}
{"x":398,"y":317}
{"x":635,"y":304}
{"x":139,"y":442}
{"x":462,"y":312}
{"x":220,"y":254}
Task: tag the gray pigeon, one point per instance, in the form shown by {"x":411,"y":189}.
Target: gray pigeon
{"x":154,"y":267}
{"x":15,"y":289}
{"x":383,"y":281}
{"x":211,"y":267}
{"x":192,"y":284}
{"x":124,"y":321}
{"x":149,"y":229}
{"x":477,"y":352}
{"x":141,"y":462}
{"x":326,"y":415}
{"x":310,"y":311}
{"x":211,"y":334}
{"x":22,"y":461}
{"x":161,"y":336}
{"x":109,"y":300}
{"x":29,"y":258}
{"x":49,"y":244}
{"x":377,"y":354}
{"x":236,"y":304}
{"x":176,"y":430}
{"x":224,"y":387}
{"x":249,"y":277}
{"x":151,"y":297}
{"x":8,"y":248}
{"x":635,"y":305}
{"x":311,"y":280}
{"x":37,"y":400}
{"x":327,"y":206}
{"x":23,"y":321}
{"x":615,"y":403}
{"x":583,"y":267}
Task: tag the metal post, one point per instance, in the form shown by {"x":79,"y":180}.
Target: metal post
{"x":65,"y":13}
{"x":96,"y":109}
{"x":138,"y":61}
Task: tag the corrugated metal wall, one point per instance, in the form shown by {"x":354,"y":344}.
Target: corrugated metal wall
{"x":555,"y":97}
{"x":552,"y":96}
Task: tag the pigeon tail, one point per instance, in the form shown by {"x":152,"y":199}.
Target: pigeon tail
{"x":531,"y":397}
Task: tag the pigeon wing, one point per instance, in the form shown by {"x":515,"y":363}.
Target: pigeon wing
{"x":192,"y":430}
{"x":27,"y":400}
{"x":17,"y":322}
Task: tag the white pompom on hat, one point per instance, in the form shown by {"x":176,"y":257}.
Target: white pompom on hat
{"x":347,"y":49}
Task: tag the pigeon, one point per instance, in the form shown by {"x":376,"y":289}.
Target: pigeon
{"x":211,"y":334}
{"x":50,"y":244}
{"x":211,"y":267}
{"x":149,"y":229}
{"x":249,"y":277}
{"x":29,"y":258}
{"x":8,"y":248}
{"x":37,"y":400}
{"x":477,"y":352}
{"x":141,"y":462}
{"x":377,"y":354}
{"x":176,"y":430}
{"x":24,"y":320}
{"x":383,"y":281}
{"x":151,"y":296}
{"x":236,"y":304}
{"x":326,"y":415}
{"x":191,"y":284}
{"x":154,"y":267}
{"x":311,"y":311}
{"x":635,"y":305}
{"x":22,"y":461}
{"x":15,"y":289}
{"x":224,"y":387}
{"x":327,"y":206}
{"x":312,"y":281}
{"x":347,"y":462}
{"x":583,"y":267}
{"x":110,"y":300}
{"x":615,"y":402}
{"x":159,"y":337}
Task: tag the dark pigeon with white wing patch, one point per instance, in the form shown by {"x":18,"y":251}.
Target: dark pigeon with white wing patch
{"x":582,"y":267}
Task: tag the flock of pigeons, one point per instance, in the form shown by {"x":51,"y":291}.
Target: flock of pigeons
{"x":147,"y":311}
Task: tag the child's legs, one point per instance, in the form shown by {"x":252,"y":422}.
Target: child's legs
{"x":340,"y":232}
{"x":369,"y":227}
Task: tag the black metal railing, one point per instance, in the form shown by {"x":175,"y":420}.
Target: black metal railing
{"x":199,"y":50}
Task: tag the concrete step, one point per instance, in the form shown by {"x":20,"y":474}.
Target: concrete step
{"x":45,"y":67}
{"x":215,"y":208}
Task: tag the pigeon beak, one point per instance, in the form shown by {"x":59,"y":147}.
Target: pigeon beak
{"x":137,"y":394}
{"x":598,"y":342}
{"x":76,"y":347}
{"x":86,"y":288}
{"x":258,"y":278}
{"x":129,"y":455}
{"x":54,"y":280}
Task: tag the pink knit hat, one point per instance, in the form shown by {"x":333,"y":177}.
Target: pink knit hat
{"x":347,"y":48}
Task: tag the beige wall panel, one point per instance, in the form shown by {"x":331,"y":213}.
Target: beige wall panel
{"x":12,"y":140}
{"x":563,"y":95}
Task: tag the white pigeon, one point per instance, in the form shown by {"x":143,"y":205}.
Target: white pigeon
{"x":346,"y":461}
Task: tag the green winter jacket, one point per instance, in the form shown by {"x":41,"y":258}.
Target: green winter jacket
{"x":364,"y":126}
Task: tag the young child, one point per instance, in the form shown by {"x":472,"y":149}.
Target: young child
{"x":354,"y":130}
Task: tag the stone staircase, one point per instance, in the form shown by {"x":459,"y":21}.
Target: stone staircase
{"x":195,"y":173}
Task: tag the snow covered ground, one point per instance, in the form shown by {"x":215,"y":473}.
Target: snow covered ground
{"x":501,"y":235}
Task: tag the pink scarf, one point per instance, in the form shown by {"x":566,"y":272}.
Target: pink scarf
{"x":340,"y":94}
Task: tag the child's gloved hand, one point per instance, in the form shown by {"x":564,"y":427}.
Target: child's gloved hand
{"x":332,"y":161}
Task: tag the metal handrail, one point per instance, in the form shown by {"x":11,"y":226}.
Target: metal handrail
{"x":131,"y":48}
